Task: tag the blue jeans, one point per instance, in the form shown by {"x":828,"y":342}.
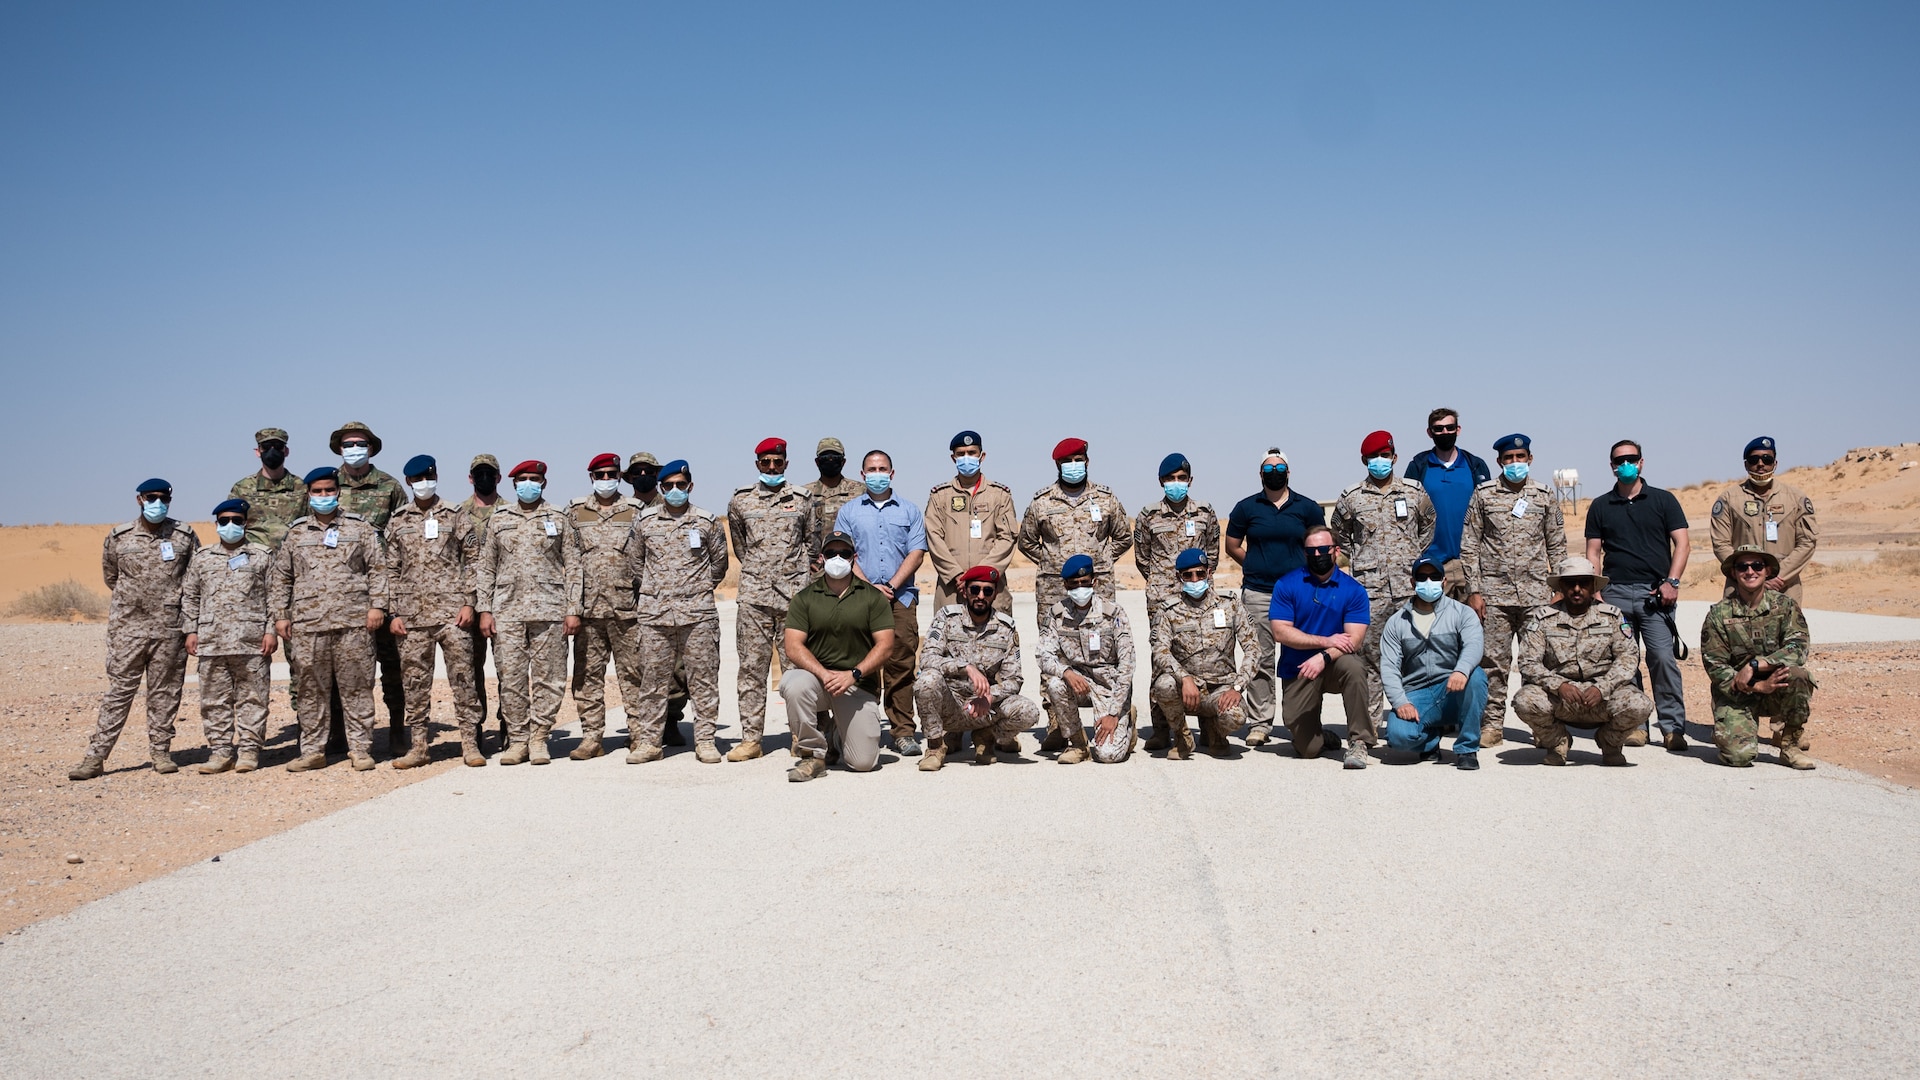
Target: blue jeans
{"x":1441,"y":713}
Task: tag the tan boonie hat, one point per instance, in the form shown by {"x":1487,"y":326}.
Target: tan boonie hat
{"x":484,"y":459}
{"x":643,"y":458}
{"x":1576,"y":566}
{"x":269,"y":434}
{"x":355,"y":427}
{"x":1773,"y":564}
{"x":829,"y":445}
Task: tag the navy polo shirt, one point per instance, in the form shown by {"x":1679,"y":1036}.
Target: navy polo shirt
{"x":1450,"y":489}
{"x":1320,"y":608}
{"x":1275,"y":536}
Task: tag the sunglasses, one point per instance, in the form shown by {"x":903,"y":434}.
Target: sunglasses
{"x":771,"y":461}
{"x":1322,"y":550}
{"x":606,"y":474}
{"x":1760,"y":459}
{"x":1195,"y":574}
{"x":1749,"y":567}
{"x":344,"y":443}
{"x":1627,"y":459}
{"x":677,"y":485}
{"x":231,"y":521}
{"x":1444,"y":429}
{"x":980,"y":590}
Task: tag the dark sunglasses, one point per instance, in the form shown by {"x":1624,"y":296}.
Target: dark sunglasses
{"x":1322,"y":550}
{"x":1760,"y":459}
{"x":980,"y":590}
{"x":1195,"y":574}
{"x":1429,"y":575}
{"x":770,"y":460}
{"x":1444,"y":429}
{"x":229,"y":520}
{"x":677,"y":485}
{"x":606,"y":474}
{"x":1748,"y":567}
{"x":1627,"y":459}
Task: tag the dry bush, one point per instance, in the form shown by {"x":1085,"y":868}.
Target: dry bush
{"x":62,"y":600}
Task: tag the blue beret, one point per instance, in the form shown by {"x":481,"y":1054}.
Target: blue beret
{"x":677,"y":465}
{"x":1173,"y":463}
{"x":1074,"y":567}
{"x":1189,"y":559}
{"x":1516,"y":441}
{"x":419,"y":465}
{"x":966,"y":438}
{"x":1764,"y":442}
{"x":233,"y":506}
{"x":153,"y":486}
{"x":324,"y":472}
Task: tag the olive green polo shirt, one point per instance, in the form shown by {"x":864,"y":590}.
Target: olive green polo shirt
{"x":840,"y":628}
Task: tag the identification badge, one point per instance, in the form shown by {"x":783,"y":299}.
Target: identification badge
{"x":431,"y":530}
{"x":166,"y":551}
{"x":553,"y":527}
{"x":1219,"y":618}
{"x":332,"y":539}
{"x":973,"y":529}
{"x":693,"y":539}
{"x":1193,"y":528}
{"x":1093,"y":641}
{"x":237,"y":561}
{"x":1093,"y":512}
{"x":1400,"y":509}
{"x":1773,"y":530}
{"x":1520,"y":508}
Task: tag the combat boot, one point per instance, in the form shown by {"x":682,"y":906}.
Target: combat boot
{"x":935,"y":757}
{"x":1637,"y":737}
{"x":1218,"y":744}
{"x":588,"y":749}
{"x":90,"y":768}
{"x":1257,"y":736}
{"x":163,"y":760}
{"x":537,"y":752}
{"x":1556,"y":754}
{"x":221,"y":761}
{"x":1055,"y":741}
{"x":986,"y":748}
{"x":248,"y":761}
{"x":745,"y":751}
{"x":706,"y":753}
{"x":514,"y":754}
{"x":307,"y":763}
{"x":1791,"y":754}
{"x":418,"y":740}
{"x":1076,"y":751}
{"x":641,"y":753}
{"x":360,"y":760}
{"x":1493,"y":734}
{"x":1156,"y":738}
{"x":1612,"y":757}
{"x":1180,"y":741}
{"x":952,"y":740}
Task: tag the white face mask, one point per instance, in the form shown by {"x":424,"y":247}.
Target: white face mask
{"x":604,"y":488}
{"x":354,"y":455}
{"x":424,"y":489}
{"x":838,"y":566}
{"x":1081,"y":597}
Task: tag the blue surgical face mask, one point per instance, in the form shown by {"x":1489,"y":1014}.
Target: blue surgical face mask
{"x":1176,"y":490}
{"x":528,"y":491}
{"x":1628,"y":471}
{"x":1195,"y":589}
{"x":1380,"y":468}
{"x":1514,"y":471}
{"x":155,"y":511}
{"x":323,"y":504}
{"x":878,"y":482}
{"x":1073,"y":472}
{"x":676,"y":496}
{"x":1429,"y":591}
{"x":231,"y":532}
{"x":967,"y":465}
{"x":773,"y":480}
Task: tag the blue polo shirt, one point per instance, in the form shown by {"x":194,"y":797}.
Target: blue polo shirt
{"x":1274,"y":536}
{"x":884,"y":533}
{"x":1450,"y":488}
{"x":1320,"y":608}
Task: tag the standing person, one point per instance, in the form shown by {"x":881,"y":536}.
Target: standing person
{"x":1769,"y":514}
{"x":1320,"y":618}
{"x":970,"y":522}
{"x":274,"y":497}
{"x":1383,"y":523}
{"x":890,"y":538}
{"x":224,"y":607}
{"x":1577,"y":668}
{"x":1430,"y":665}
{"x":1448,"y":474}
{"x":373,"y":495}
{"x":1068,"y":517}
{"x":771,"y":523}
{"x":1194,"y":667}
{"x":839,"y":633}
{"x":1161,"y":531}
{"x":143,"y":563}
{"x":527,"y":588}
{"x":1754,"y":646}
{"x":677,"y":557}
{"x":1086,"y":658}
{"x":609,"y":626}
{"x":1513,"y":538}
{"x":483,"y":473}
{"x":328,"y":595}
{"x":1265,"y":533}
{"x":970,"y":674}
{"x":1638,"y":534}
{"x":832,"y":491}
{"x":643,"y":472}
{"x":431,"y":550}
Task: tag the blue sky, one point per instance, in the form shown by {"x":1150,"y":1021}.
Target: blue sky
{"x":551,"y":230}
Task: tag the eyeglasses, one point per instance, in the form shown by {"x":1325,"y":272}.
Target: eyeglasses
{"x":1322,"y":550}
{"x":1627,"y":459}
{"x":1444,"y":429}
{"x":1749,"y":567}
{"x":230,"y":521}
{"x":772,"y":460}
{"x":606,"y":474}
{"x":837,"y":553}
{"x":1195,"y":574}
{"x":1429,"y":577}
{"x":677,"y":485}
{"x":980,"y":590}
{"x":1760,"y":459}
{"x":354,"y":442}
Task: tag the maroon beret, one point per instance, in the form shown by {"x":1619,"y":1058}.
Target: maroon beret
{"x":770,"y":446}
{"x":1066,"y":448}
{"x":982,"y":573}
{"x":1376,"y":442}
{"x":538,"y":468}
{"x":601,"y":461}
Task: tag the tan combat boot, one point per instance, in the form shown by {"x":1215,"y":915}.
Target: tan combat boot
{"x":163,"y":760}
{"x":1792,"y":747}
{"x":588,"y":749}
{"x":987,"y":749}
{"x":1075,"y":753}
{"x":643,"y":753}
{"x":1637,"y":737}
{"x":1180,"y":741}
{"x":417,"y":744}
{"x":746,"y":751}
{"x":90,"y":768}
{"x":470,"y":752}
{"x":360,"y":760}
{"x":1056,"y":740}
{"x":706,"y":753}
{"x":935,"y":757}
{"x":307,"y":763}
{"x":1556,"y":753}
{"x":514,"y":754}
{"x":537,"y":751}
{"x":221,"y":761}
{"x":248,"y":761}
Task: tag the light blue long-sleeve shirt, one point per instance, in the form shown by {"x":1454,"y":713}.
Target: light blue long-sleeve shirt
{"x":1409,"y":661}
{"x":884,"y":534}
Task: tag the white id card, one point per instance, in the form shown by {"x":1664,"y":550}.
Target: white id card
{"x":1520,"y":508}
{"x":553,"y":527}
{"x":332,"y":538}
{"x":1773,"y":530}
{"x":1193,"y":528}
{"x":1219,"y":618}
{"x":1093,"y":512}
{"x":166,"y":551}
{"x":1400,"y":509}
{"x":693,"y":539}
{"x":973,"y":529}
{"x":431,"y":530}
{"x":237,"y":561}
{"x":1093,"y":641}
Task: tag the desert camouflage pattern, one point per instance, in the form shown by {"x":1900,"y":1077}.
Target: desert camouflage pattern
{"x":676,"y":561}
{"x":605,"y":529}
{"x":1739,"y":519}
{"x":1382,"y":529}
{"x":144,"y":580}
{"x":598,"y":642}
{"x":689,"y":646}
{"x":226,"y":604}
{"x":233,"y":699}
{"x":1192,"y":643}
{"x":429,"y":579}
{"x":1506,"y":558}
{"x":1595,"y":649}
{"x":1161,"y":531}
{"x":941,"y":688}
{"x":330,"y":659}
{"x":531,"y":658}
{"x":162,"y":662}
{"x":272,"y":506}
{"x":375,"y":496}
{"x":529,"y":565}
{"x":322,"y":588}
{"x":1066,"y":644}
{"x":952,"y":508}
{"x":416,"y":667}
{"x":827,"y":502}
{"x":771,"y":533}
{"x":1774,"y":632}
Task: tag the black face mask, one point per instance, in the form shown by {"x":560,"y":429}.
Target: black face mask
{"x":1273,"y":481}
{"x":1444,"y":443}
{"x":273,"y":456}
{"x":830,"y":466}
{"x":1320,"y":564}
{"x":644,"y":483}
{"x":485,"y":482}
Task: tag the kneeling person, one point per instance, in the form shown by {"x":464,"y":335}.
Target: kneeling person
{"x":223,"y":604}
{"x":1430,"y":655}
{"x":839,"y":634}
{"x":1194,"y":668}
{"x":1086,"y":658}
{"x":970,"y":674}
{"x":1577,"y":659}
{"x":1754,"y":646}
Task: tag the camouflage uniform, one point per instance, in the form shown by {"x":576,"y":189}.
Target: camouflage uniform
{"x":827,"y":501}
{"x":1382,"y":528}
{"x":1591,"y":649}
{"x":1511,"y":541}
{"x":430,"y":578}
{"x":1096,"y":642}
{"x":970,"y":525}
{"x":528,"y":575}
{"x":1161,"y":531}
{"x":144,"y":568}
{"x":1740,"y":518}
{"x":677,"y":695}
{"x":942,"y":689}
{"x":1775,"y":633}
{"x":608,"y":630}
{"x":1059,"y":526}
{"x":224,"y":602}
{"x":677,"y":560}
{"x":326,"y":590}
{"x":271,"y":506}
{"x":1196,"y":639}
{"x":374,"y":498}
{"x":477,"y":516}
{"x":772,"y":536}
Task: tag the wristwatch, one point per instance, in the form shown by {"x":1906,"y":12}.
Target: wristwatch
{"x":1674,"y":581}
{"x":856,"y":674}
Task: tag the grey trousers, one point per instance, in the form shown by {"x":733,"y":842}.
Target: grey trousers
{"x":1654,"y":632}
{"x":1260,"y":695}
{"x":857,"y":719}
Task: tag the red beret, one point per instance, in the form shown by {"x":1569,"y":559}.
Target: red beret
{"x":1376,"y":442}
{"x":602,"y":461}
{"x":770,"y":446}
{"x":530,"y":466}
{"x":981,"y":573}
{"x":1066,"y":448}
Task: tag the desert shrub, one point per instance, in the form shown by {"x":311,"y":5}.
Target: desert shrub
{"x":60,"y":600}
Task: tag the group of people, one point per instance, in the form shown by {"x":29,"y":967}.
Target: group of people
{"x":1458,"y":589}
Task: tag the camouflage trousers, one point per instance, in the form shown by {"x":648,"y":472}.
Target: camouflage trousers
{"x":693,"y":647}
{"x":943,"y":709}
{"x":598,"y":642}
{"x":1063,"y":712}
{"x":1617,"y":715}
{"x":416,"y":666}
{"x":758,"y":633}
{"x":163,"y":663}
{"x":335,"y":661}
{"x":1736,"y":719}
{"x":531,"y":661}
{"x":1501,"y":627}
{"x":233,"y":694}
{"x":1220,"y":719}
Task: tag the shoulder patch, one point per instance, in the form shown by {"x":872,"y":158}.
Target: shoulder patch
{"x":1001,"y":486}
{"x":954,"y":609}
{"x":1228,"y":594}
{"x":1348,"y":491}
{"x":1484,"y":485}
{"x":1806,"y":505}
{"x":1414,"y":484}
{"x":650,"y":511}
{"x":1006,"y":618}
{"x":124,"y":526}
{"x":1719,"y":506}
